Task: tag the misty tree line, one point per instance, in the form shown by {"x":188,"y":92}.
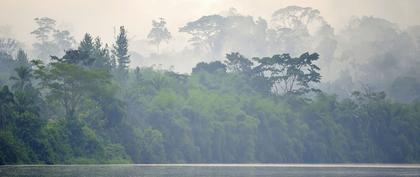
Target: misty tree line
{"x":86,"y":105}
{"x":367,"y":52}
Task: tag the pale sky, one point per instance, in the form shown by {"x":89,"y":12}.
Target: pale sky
{"x":100,"y":16}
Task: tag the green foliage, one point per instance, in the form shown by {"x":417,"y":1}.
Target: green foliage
{"x":86,"y":45}
{"x":6,"y":104}
{"x":76,"y":110}
{"x":238,"y":63}
{"x":12,"y":151}
{"x":121,"y":50}
{"x":7,"y":64}
{"x":23,"y":79}
{"x":290,"y":75}
{"x":22,"y":58}
{"x":152,"y":146}
{"x":69,"y":83}
{"x":212,"y":67}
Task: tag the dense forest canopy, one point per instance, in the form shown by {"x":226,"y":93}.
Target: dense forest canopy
{"x":259,"y":92}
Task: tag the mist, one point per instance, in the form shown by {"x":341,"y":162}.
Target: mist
{"x":79,"y":17}
{"x":215,"y":81}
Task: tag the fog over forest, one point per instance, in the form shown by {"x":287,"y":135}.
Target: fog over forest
{"x":210,"y":81}
{"x":362,"y":51}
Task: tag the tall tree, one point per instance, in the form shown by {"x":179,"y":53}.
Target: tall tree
{"x":290,"y":75}
{"x":98,"y":55}
{"x":6,"y":104}
{"x":218,"y":34}
{"x":69,"y":83}
{"x":86,"y":45}
{"x":22,"y":58}
{"x":27,"y":97}
{"x":45,"y":27}
{"x":101,"y":55}
{"x":121,"y":51}
{"x":238,"y":63}
{"x":44,"y":47}
{"x":22,"y":78}
{"x":51,"y":41}
{"x":159,"y":33}
{"x":297,"y":29}
{"x":205,"y":31}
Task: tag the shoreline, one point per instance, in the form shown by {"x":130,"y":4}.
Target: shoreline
{"x":277,"y":165}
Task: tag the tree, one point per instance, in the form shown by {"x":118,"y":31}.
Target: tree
{"x":212,"y":67}
{"x":137,"y":75}
{"x":204,"y":31}
{"x":23,"y":78}
{"x":295,"y":17}
{"x":7,"y":64}
{"x":51,"y":41}
{"x":6,"y":106}
{"x":121,"y":50}
{"x":22,"y":58}
{"x":45,"y":27}
{"x":76,"y":57}
{"x":218,"y":34}
{"x":86,"y":45}
{"x":363,"y":42}
{"x":238,"y":63}
{"x":159,"y":33}
{"x":69,"y":83}
{"x":98,"y":55}
{"x":101,"y":55}
{"x":298,"y":29}
{"x":290,"y":75}
{"x":9,"y":45}
{"x":63,"y":39}
{"x":152,"y":143}
{"x":44,"y":47}
{"x":28,"y":98}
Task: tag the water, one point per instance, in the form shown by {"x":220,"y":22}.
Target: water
{"x":213,"y":170}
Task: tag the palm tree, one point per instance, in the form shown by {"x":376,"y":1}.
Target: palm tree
{"x":23,"y":79}
{"x":26,"y":96}
{"x":6,"y":104}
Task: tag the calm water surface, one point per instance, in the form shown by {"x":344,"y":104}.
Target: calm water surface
{"x":214,"y":170}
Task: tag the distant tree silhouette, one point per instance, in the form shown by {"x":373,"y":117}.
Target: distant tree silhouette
{"x":159,"y":33}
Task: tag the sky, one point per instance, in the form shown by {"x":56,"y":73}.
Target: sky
{"x":99,"y":17}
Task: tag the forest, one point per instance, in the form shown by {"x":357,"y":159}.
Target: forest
{"x":84,"y":102}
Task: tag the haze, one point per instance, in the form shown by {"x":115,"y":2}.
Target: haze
{"x":234,"y":81}
{"x":99,"y":17}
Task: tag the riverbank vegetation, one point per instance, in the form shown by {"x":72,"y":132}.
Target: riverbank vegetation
{"x":88,"y":106}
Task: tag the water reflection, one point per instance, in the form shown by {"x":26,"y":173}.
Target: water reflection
{"x":212,"y":170}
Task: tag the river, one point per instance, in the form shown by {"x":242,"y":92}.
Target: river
{"x":213,"y":170}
